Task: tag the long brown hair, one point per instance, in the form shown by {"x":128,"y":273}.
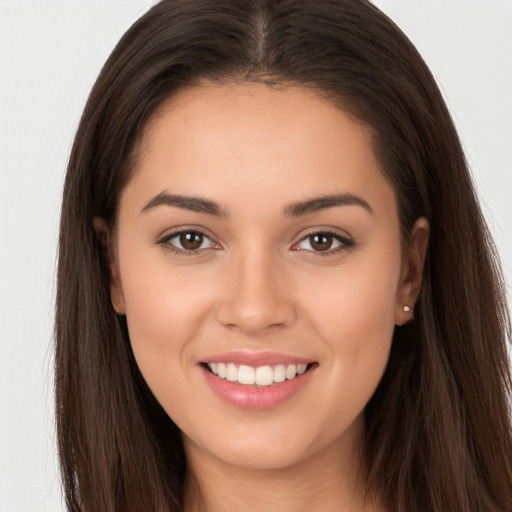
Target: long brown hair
{"x":438,"y":433}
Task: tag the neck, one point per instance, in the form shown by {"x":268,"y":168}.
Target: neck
{"x":327,"y":480}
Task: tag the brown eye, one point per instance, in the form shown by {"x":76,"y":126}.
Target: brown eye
{"x":191,"y":241}
{"x":188,"y":242}
{"x":321,"y":241}
{"x":324,"y":242}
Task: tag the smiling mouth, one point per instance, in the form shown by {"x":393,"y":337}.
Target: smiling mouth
{"x":261,"y":376}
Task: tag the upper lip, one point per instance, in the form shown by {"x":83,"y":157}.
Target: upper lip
{"x":256,"y":359}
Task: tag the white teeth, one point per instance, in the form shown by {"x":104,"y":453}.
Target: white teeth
{"x":231,"y":372}
{"x":264,"y":376}
{"x":260,"y":376}
{"x":221,"y":370}
{"x":280,"y":373}
{"x":246,"y":374}
{"x":291,"y":371}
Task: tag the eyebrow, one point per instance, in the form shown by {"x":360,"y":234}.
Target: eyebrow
{"x":298,"y":209}
{"x":195,"y":204}
{"x":323,"y":202}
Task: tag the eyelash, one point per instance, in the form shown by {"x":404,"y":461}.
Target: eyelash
{"x":166,"y":242}
{"x":345,"y":243}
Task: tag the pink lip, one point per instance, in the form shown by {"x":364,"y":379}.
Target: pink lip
{"x":256,"y":359}
{"x":255,"y":397}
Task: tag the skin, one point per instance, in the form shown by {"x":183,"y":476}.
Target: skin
{"x":258,"y":284}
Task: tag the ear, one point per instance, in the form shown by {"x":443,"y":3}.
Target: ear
{"x":412,"y":271}
{"x":116,"y":290}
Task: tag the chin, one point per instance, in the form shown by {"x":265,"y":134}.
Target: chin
{"x":261,"y":458}
{"x":260,"y":446}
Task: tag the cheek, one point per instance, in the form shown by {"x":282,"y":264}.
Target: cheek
{"x":354,"y":316}
{"x":164,"y":310}
{"x":164,"y":315}
{"x":358,"y":296}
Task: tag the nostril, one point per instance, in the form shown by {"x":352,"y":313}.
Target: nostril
{"x":254,"y":316}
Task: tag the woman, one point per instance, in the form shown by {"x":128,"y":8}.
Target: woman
{"x":276,"y":288}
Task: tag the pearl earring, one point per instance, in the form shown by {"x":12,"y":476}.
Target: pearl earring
{"x":407,"y":309}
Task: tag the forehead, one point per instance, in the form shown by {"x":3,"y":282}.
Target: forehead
{"x":253,"y":139}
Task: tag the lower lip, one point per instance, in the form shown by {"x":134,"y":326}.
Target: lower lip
{"x":254,"y":397}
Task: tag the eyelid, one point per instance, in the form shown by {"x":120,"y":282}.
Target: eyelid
{"x":171,"y":231}
{"x":345,"y":240}
{"x":164,"y":240}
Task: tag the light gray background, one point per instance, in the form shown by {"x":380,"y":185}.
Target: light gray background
{"x":50,"y":53}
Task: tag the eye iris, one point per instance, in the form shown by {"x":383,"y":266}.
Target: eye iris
{"x":321,"y":241}
{"x":191,"y":241}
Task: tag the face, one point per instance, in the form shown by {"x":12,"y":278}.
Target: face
{"x":258,"y":261}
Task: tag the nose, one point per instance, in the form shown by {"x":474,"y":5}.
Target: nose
{"x":256,"y":297}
